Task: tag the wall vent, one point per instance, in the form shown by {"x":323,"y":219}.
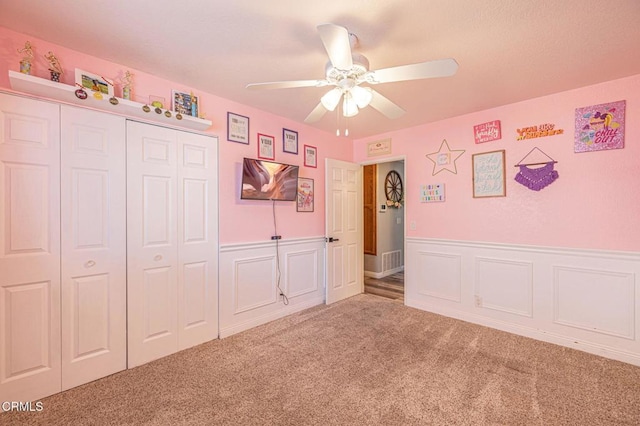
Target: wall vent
{"x":391,"y":260}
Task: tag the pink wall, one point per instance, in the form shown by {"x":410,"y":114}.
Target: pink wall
{"x":240,"y":220}
{"x":594,"y":204}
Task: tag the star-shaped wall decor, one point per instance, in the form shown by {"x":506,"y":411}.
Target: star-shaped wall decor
{"x":445,"y":158}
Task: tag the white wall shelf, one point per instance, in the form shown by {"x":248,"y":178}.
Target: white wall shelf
{"x":65,"y":93}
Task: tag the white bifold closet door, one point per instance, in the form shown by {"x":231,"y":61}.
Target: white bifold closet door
{"x":94,"y":286}
{"x":172,"y":241}
{"x":29,"y":249}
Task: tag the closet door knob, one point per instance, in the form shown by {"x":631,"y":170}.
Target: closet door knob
{"x":157,"y":257}
{"x":89,"y":264}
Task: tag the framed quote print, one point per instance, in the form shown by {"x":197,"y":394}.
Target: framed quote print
{"x":265,"y":147}
{"x":289,"y":141}
{"x":488,"y":174}
{"x":237,"y":128}
{"x":310,"y":154}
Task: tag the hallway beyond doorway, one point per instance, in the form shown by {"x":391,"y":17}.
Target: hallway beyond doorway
{"x":391,"y":286}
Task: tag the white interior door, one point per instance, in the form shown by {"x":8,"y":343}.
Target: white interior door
{"x":93,"y":194}
{"x":197,"y":239}
{"x":29,"y":249}
{"x":152,"y":249}
{"x":345,"y":255}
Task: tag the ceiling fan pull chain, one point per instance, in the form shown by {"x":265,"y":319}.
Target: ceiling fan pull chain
{"x":338,"y":120}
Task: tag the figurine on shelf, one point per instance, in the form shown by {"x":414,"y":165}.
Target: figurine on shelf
{"x":126,"y":87}
{"x":194,"y":105}
{"x":25,"y":63}
{"x":54,"y":66}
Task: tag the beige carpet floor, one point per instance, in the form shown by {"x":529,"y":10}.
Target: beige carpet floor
{"x":363,"y":361}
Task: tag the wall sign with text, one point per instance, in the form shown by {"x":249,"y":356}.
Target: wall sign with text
{"x":538,"y":131}
{"x":600,"y":127}
{"x":487,"y":132}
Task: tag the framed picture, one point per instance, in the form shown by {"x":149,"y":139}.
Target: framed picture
{"x":265,"y":147}
{"x":381,"y":147}
{"x":600,"y":127}
{"x":305,"y":195}
{"x":237,"y":128}
{"x":310,"y":154}
{"x":289,"y":141}
{"x":488,"y":174}
{"x":94,"y":82}
{"x":184,"y":103}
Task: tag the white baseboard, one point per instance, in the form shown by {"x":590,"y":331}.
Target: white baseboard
{"x":379,"y":275}
{"x":587,"y":300}
{"x":271,"y":316}
{"x":592,"y":348}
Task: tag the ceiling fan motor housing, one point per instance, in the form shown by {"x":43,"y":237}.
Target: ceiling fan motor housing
{"x":357,"y":72}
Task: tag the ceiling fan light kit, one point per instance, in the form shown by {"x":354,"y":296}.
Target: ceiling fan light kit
{"x":347,"y":70}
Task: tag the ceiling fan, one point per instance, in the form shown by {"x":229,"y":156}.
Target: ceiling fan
{"x":347,"y":71}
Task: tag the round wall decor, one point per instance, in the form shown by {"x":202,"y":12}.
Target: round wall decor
{"x":393,"y":187}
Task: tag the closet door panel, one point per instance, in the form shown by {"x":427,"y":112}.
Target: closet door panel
{"x":93,"y":245}
{"x":197,"y":239}
{"x":151,"y":242}
{"x":29,"y":249}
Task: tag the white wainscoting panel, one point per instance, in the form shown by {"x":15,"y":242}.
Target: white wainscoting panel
{"x":254,"y":282}
{"x":583,"y":299}
{"x":249,"y":294}
{"x":504,"y":285}
{"x":302,"y":272}
{"x":439,"y":275}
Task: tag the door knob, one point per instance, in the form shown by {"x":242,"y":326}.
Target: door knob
{"x":89,"y":264}
{"x":331,"y":239}
{"x":157,"y":257}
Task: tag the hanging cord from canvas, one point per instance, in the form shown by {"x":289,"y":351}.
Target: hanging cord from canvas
{"x":285,"y":299}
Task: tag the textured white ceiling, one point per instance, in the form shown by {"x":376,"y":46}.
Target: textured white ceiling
{"x":508,"y":50}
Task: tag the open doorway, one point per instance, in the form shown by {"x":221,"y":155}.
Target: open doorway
{"x":383,"y":204}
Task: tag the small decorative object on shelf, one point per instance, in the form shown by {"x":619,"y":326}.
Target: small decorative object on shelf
{"x":54,"y":66}
{"x":80,"y":93}
{"x":126,"y":87}
{"x":194,"y":105}
{"x":25,"y":63}
{"x":184,"y":103}
{"x":112,"y":100}
{"x":157,"y":102}
{"x":96,"y":83}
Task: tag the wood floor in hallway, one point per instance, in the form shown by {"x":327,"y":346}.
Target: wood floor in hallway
{"x":391,"y":286}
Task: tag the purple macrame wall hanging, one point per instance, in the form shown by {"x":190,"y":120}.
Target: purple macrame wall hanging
{"x":536,"y":178}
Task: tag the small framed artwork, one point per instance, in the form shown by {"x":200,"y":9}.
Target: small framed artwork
{"x":310,"y":156}
{"x":305,"y":195}
{"x":93,"y":82}
{"x":265,"y":147}
{"x":237,"y":128}
{"x":432,"y":193}
{"x":184,"y":103}
{"x":289,"y":141}
{"x":488,"y":174}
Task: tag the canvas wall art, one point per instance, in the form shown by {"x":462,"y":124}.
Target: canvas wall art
{"x":600,"y":127}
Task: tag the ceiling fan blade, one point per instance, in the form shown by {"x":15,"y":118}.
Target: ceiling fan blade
{"x":287,"y":84}
{"x":336,"y":41}
{"x":318,"y":112}
{"x":430,"y":69}
{"x":385,"y":106}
